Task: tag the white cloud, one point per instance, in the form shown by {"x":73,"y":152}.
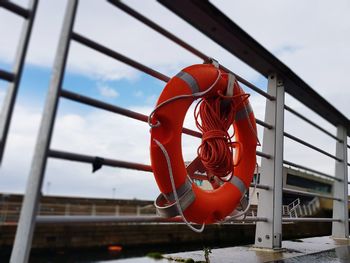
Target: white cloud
{"x":151,"y":99}
{"x":315,"y":46}
{"x":310,"y":37}
{"x":108,"y":92}
{"x":138,"y":93}
{"x":118,"y":31}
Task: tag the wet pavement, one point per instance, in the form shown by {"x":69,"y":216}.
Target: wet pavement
{"x":316,"y":249}
{"x":337,"y":255}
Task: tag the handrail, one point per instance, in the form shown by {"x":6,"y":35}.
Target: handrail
{"x":264,"y":155}
{"x":311,"y":122}
{"x":312,"y":170}
{"x":113,"y":54}
{"x":293,"y":191}
{"x":309,"y":219}
{"x":292,"y":137}
{"x":102,"y":161}
{"x":216,"y":25}
{"x":125,"y":112}
{"x":124,"y":219}
{"x":264,"y":124}
{"x":158,"y":28}
{"x":182,"y":43}
{"x":114,"y":163}
{"x":112,"y":108}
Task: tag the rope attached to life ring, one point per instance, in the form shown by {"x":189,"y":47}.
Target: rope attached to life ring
{"x":214,"y":121}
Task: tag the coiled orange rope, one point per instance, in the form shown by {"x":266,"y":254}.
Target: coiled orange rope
{"x":216,"y":116}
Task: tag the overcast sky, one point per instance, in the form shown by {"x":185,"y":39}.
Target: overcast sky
{"x":310,"y":37}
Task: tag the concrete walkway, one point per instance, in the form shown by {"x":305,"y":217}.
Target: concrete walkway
{"x":304,"y":249}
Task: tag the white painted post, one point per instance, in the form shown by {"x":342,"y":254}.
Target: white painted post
{"x":138,"y":210}
{"x":25,"y":229}
{"x":340,"y":187}
{"x":268,"y":234}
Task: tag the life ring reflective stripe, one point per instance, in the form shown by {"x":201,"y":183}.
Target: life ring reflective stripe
{"x":199,"y":206}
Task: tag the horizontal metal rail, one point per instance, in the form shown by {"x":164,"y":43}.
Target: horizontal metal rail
{"x":104,"y":219}
{"x":14,"y":8}
{"x":182,"y":43}
{"x":261,"y":186}
{"x":292,"y":137}
{"x":8,"y":76}
{"x":264,"y":124}
{"x":116,"y":163}
{"x":311,"y":122}
{"x":264,"y":155}
{"x":122,"y":111}
{"x":115,"y":109}
{"x":311,"y":170}
{"x":310,"y":219}
{"x":103,"y":161}
{"x":293,"y":191}
{"x":113,"y":54}
{"x":158,"y":28}
{"x":123,"y":219}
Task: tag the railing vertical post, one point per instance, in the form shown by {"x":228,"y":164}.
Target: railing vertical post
{"x":117,"y":210}
{"x":11,"y":93}
{"x":340,"y":188}
{"x":24,"y":235}
{"x":268,"y":234}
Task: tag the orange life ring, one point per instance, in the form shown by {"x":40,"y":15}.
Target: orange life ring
{"x":198,"y":205}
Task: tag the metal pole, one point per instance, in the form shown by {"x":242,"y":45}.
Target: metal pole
{"x":10,"y":98}
{"x":26,"y":225}
{"x":124,"y":219}
{"x":340,"y":188}
{"x":269,"y":234}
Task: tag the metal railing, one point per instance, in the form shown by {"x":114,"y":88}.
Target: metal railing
{"x":280,"y":80}
{"x":14,"y":77}
{"x":92,"y":213}
{"x":10,"y":211}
